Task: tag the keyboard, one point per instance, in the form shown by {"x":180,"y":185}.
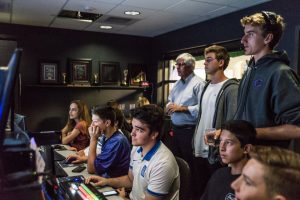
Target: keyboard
{"x":74,"y":188}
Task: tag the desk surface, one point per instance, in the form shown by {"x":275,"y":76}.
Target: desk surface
{"x":68,"y":171}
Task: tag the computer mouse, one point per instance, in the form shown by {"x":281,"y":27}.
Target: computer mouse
{"x":69,"y":160}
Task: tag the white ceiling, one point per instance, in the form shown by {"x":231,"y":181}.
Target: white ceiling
{"x":157,"y":16}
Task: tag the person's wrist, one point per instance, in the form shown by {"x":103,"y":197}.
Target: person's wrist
{"x":93,"y":139}
{"x":107,"y":181}
{"x":183,"y":108}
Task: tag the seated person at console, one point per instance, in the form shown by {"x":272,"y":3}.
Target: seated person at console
{"x":153,"y":172}
{"x":75,"y":133}
{"x":237,"y":137}
{"x":82,"y":156}
{"x":113,"y":161}
{"x":124,"y":126}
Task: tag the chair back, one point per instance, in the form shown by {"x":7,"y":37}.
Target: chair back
{"x":185,"y":179}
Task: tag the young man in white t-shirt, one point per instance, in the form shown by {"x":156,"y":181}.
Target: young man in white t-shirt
{"x":153,"y":173}
{"x":218,"y":104}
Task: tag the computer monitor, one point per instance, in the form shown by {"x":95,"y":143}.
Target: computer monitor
{"x":8,"y":77}
{"x":19,"y":122}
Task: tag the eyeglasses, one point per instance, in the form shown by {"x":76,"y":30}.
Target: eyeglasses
{"x":180,"y":64}
{"x":209,"y":59}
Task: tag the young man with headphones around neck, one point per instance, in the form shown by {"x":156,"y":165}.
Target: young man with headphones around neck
{"x":269,"y":93}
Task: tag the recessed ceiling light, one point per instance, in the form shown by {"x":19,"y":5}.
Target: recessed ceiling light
{"x":132,"y":13}
{"x":106,"y":27}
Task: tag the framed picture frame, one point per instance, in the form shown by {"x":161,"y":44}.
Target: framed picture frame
{"x":137,"y":73}
{"x":80,"y":71}
{"x":49,"y":72}
{"x":110,"y":73}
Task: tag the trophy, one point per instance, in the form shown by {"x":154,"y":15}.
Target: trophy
{"x":64,"y":77}
{"x":125,"y":74}
{"x":96,"y":78}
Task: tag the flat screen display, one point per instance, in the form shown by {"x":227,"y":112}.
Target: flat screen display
{"x":8,"y":76}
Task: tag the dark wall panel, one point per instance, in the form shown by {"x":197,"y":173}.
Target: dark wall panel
{"x":46,"y":108}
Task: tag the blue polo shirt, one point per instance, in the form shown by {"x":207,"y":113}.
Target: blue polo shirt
{"x":114,"y":159}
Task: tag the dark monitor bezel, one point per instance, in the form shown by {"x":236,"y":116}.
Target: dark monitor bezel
{"x":8,"y":82}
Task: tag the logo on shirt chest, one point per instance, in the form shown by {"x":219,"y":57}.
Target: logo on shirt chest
{"x":258,"y":83}
{"x":143,"y":171}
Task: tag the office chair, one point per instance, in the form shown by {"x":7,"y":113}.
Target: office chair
{"x":185,"y":179}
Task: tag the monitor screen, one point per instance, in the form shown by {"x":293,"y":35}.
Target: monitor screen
{"x":8,"y":76}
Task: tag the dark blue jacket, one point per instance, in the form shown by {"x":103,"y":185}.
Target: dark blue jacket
{"x":269,"y":94}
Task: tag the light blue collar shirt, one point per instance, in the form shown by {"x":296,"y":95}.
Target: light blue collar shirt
{"x":186,"y":93}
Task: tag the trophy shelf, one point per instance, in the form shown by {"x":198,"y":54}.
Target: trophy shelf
{"x":88,"y":86}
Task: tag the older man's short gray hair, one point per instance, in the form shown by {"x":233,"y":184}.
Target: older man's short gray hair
{"x":189,"y":60}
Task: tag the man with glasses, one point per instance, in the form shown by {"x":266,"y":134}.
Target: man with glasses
{"x":217,"y":105}
{"x":269,"y":93}
{"x":183,"y":106}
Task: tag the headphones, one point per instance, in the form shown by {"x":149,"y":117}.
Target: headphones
{"x":270,"y":19}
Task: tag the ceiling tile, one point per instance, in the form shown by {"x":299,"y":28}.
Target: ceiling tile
{"x":41,"y":6}
{"x":192,"y":8}
{"x":110,"y":1}
{"x":151,"y":4}
{"x":69,"y":24}
{"x":247,"y":3}
{"x":220,"y":11}
{"x":160,"y":23}
{"x":33,"y":12}
{"x":217,"y":2}
{"x":171,"y":17}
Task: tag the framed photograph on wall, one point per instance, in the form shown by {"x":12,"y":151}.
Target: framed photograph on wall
{"x":49,"y":72}
{"x":110,"y":73}
{"x":80,"y":71}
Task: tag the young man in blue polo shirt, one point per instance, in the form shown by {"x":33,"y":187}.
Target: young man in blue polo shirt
{"x":153,"y":172}
{"x":113,"y":161}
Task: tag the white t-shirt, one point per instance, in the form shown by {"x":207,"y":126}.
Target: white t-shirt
{"x":98,"y":148}
{"x":156,"y":173}
{"x":208,"y":107}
